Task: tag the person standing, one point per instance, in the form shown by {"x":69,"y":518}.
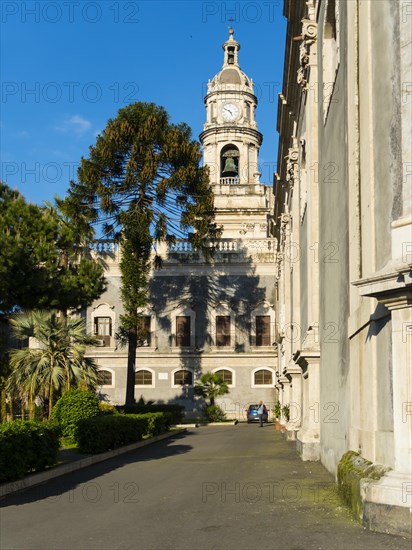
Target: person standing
{"x":261,"y":410}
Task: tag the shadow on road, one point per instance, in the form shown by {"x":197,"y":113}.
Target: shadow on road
{"x":53,"y":489}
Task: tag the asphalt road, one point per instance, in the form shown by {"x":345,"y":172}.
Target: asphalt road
{"x":233,"y":487}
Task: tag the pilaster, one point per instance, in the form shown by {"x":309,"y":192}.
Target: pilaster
{"x":308,"y":437}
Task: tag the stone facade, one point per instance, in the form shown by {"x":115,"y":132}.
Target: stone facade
{"x":343,"y":214}
{"x":226,"y":306}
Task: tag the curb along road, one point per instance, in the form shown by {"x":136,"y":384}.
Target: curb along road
{"x":41,"y":477}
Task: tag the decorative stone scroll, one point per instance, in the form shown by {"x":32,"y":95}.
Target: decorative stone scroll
{"x":292,"y":166}
{"x":309,"y":34}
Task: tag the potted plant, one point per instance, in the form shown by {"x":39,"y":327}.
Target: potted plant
{"x":277,"y":411}
{"x":286,"y":414}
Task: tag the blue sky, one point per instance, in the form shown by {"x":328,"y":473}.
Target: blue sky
{"x":68,"y":66}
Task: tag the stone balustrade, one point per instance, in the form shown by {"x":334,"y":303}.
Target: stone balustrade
{"x":229,"y":181}
{"x":223,"y":251}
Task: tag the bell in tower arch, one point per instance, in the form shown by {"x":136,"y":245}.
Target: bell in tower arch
{"x":230,"y":169}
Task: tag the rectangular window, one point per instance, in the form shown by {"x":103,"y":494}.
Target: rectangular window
{"x":263,"y":330}
{"x":144,"y":331}
{"x":223,"y":330}
{"x":103,"y":329}
{"x":183,"y":331}
{"x":103,"y":326}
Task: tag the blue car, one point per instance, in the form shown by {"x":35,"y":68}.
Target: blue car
{"x":252,"y":413}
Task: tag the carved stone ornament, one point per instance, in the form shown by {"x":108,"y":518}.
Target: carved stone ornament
{"x":309,"y":29}
{"x":279,"y":262}
{"x":285,"y":219}
{"x":309,"y":34}
{"x":292,"y":166}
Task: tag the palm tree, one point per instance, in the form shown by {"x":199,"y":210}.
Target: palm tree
{"x":211,"y":386}
{"x":57,"y":360}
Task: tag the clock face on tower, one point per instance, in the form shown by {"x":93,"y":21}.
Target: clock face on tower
{"x":230,"y":112}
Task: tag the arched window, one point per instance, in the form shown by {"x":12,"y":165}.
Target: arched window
{"x":183,"y":378}
{"x":225,"y":375}
{"x":263,"y":377}
{"x":143,"y":378}
{"x":104,"y":378}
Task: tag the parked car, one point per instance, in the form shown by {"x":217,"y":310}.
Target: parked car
{"x":252,"y":413}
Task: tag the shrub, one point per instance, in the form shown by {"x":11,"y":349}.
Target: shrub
{"x":176,"y":411}
{"x":102,"y":433}
{"x":277,"y":411}
{"x":286,"y":412}
{"x":73,"y":406}
{"x":157,"y":423}
{"x":27,"y":446}
{"x":214,"y":413}
{"x":107,"y":408}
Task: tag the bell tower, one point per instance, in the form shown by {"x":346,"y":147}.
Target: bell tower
{"x":231,"y":143}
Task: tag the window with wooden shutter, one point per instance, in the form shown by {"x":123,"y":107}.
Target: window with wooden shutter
{"x":183,"y":378}
{"x":143,"y":378}
{"x":263,"y":330}
{"x":223,"y":330}
{"x":263,"y":377}
{"x":225,"y":375}
{"x":183,"y":331}
{"x":104,"y":378}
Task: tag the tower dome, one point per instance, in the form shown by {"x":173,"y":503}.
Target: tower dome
{"x":230,"y":77}
{"x":231,"y":142}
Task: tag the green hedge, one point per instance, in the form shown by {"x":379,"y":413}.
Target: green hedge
{"x":102,"y":433}
{"x":176,"y":411}
{"x":75,"y":405}
{"x":157,"y":423}
{"x":27,"y":446}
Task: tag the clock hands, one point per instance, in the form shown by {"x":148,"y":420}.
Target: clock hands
{"x":230,"y":111}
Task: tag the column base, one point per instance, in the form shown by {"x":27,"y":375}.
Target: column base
{"x":308,"y":444}
{"x":291,"y":431}
{"x":387,"y":504}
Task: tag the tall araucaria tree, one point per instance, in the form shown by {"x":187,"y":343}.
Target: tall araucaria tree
{"x":144,"y":182}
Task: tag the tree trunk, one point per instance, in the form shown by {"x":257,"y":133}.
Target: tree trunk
{"x":3,"y":405}
{"x":50,"y":400}
{"x":31,"y":408}
{"x":131,"y":367}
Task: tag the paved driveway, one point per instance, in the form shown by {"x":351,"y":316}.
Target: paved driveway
{"x":233,"y":487}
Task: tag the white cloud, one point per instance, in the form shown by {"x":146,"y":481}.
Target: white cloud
{"x":76,"y":123}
